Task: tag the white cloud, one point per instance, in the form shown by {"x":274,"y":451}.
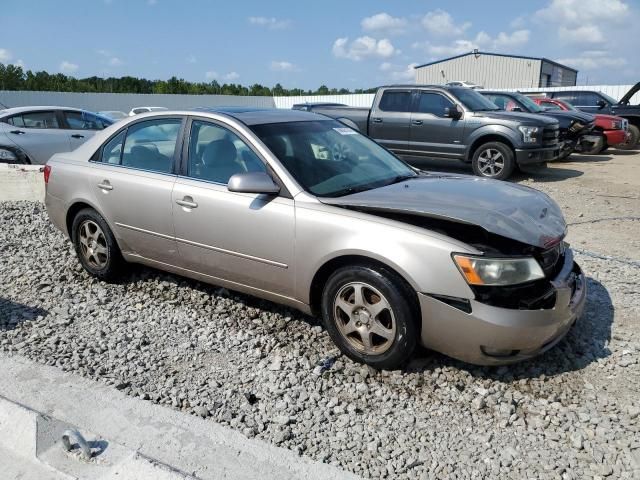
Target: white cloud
{"x":457,"y":47}
{"x":68,"y":67}
{"x":399,"y":73}
{"x":192,"y":58}
{"x":5,"y":55}
{"x":386,"y":66}
{"x":440,"y":23}
{"x":594,"y":59}
{"x":581,"y":35}
{"x":502,"y":42}
{"x":110,"y":58}
{"x":383,"y":22}
{"x":232,"y":76}
{"x":115,"y":62}
{"x":581,"y":12}
{"x":363,"y":47}
{"x":518,"y":22}
{"x":283,"y":66}
{"x":271,"y":23}
{"x":20,"y":63}
{"x":211,"y":75}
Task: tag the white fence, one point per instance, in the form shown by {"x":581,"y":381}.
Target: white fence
{"x":125,"y":101}
{"x":366,"y":99}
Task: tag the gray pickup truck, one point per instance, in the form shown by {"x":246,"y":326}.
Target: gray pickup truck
{"x":454,"y":123}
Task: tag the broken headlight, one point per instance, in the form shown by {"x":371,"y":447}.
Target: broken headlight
{"x":498,"y":271}
{"x":576,"y":126}
{"x":7,"y":155}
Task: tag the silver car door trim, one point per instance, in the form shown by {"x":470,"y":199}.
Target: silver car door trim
{"x":231,"y":252}
{"x":202,"y":245}
{"x":142,"y":230}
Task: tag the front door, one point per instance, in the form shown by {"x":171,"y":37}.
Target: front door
{"x":243,"y":238}
{"x":132,"y":183}
{"x":433,"y":131}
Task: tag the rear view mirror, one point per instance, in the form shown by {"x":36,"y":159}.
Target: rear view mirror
{"x":455,"y":112}
{"x":253,"y":182}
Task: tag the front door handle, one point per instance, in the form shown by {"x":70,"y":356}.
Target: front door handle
{"x":105,"y":185}
{"x":187,"y":202}
{"x":77,"y":135}
{"x":376,"y":120}
{"x":416,"y":122}
{"x":17,"y":132}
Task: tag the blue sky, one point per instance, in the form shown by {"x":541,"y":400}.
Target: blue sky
{"x":345,"y":43}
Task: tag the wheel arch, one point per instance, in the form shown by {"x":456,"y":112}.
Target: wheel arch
{"x":488,"y":138}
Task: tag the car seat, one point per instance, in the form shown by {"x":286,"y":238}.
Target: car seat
{"x":219,"y":161}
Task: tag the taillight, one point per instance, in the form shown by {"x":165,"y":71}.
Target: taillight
{"x":47,"y":172}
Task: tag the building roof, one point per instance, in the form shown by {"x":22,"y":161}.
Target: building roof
{"x":497,"y":55}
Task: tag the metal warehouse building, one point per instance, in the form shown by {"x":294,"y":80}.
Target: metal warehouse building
{"x":494,"y":70}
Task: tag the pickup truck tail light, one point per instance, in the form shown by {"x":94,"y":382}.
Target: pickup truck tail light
{"x":47,"y":173}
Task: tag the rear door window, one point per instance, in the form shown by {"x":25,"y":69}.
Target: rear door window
{"x":84,"y":121}
{"x":151,"y":145}
{"x":35,"y":120}
{"x":395,"y":101}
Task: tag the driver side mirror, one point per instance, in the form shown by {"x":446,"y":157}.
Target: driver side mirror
{"x":516,"y":109}
{"x":601,"y":104}
{"x":455,"y":112}
{"x":253,"y":182}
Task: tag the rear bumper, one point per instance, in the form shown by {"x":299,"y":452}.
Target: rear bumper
{"x":57,"y":212}
{"x":516,"y":334}
{"x":615,"y":137}
{"x":526,"y":156}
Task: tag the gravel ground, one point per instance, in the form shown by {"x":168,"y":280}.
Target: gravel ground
{"x":273,"y":373}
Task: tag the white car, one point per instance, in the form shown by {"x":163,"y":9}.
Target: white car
{"x":137,"y":110}
{"x":461,"y":83}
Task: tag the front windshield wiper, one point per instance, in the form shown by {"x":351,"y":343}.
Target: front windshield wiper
{"x":401,"y":178}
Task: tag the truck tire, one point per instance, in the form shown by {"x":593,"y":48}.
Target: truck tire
{"x":634,"y":136}
{"x":493,"y":160}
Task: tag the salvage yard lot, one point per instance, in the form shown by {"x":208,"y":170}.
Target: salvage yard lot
{"x":571,"y":413}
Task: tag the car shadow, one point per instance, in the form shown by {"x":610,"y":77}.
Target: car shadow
{"x":545,"y":175}
{"x":12,"y":314}
{"x":577,"y":158}
{"x":586,"y":343}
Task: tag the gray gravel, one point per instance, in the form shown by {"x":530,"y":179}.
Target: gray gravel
{"x":273,"y":373}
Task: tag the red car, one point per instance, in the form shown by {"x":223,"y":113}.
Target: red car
{"x":614,"y":128}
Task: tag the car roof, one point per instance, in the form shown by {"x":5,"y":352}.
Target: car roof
{"x":258,"y":116}
{"x":15,"y":110}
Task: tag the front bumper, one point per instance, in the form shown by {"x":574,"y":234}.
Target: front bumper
{"x":522,"y":334}
{"x":527,"y":156}
{"x":614,"y":137}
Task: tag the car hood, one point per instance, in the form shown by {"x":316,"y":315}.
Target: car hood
{"x":570,"y":115}
{"x":627,"y":96}
{"x":528,"y":118}
{"x":512,"y":211}
{"x":609,"y":118}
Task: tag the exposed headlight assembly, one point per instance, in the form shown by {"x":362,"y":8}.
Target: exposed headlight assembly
{"x":616,"y":125}
{"x":576,"y":126}
{"x":7,"y":155}
{"x":498,"y":271}
{"x":529,"y":134}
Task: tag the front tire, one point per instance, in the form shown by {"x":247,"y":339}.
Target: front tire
{"x":634,"y":136}
{"x":493,"y":160}
{"x":95,"y":245}
{"x":371,"y":315}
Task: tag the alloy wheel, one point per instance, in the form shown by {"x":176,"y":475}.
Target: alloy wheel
{"x":491,"y":162}
{"x":364,"y":318}
{"x":93,"y":244}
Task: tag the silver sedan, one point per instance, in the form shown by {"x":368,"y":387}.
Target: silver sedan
{"x":297,"y":208}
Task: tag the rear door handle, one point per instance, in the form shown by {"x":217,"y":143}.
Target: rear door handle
{"x":416,"y":122}
{"x":376,"y":120}
{"x":17,"y":132}
{"x":187,"y":202}
{"x":77,"y":135}
{"x":105,"y":185}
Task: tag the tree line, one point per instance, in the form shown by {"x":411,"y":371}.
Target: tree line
{"x":13,"y":77}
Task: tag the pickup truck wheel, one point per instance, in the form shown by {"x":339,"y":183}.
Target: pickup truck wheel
{"x":632,"y":142}
{"x":493,"y":160}
{"x":95,"y":245}
{"x":371,"y":315}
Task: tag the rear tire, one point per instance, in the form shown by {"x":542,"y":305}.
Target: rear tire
{"x":95,"y":245}
{"x":634,"y":136}
{"x":493,"y":160}
{"x":371,"y":314}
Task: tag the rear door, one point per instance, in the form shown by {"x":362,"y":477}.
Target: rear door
{"x":38,"y":133}
{"x":81,"y":126}
{"x":390,"y":120}
{"x":239,"y":237}
{"x":433,"y":132}
{"x":132,"y":180}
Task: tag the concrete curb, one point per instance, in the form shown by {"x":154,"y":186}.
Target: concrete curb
{"x":140,"y":440}
{"x":21,"y":182}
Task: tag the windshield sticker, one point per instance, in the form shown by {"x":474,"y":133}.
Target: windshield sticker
{"x":345,"y":131}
